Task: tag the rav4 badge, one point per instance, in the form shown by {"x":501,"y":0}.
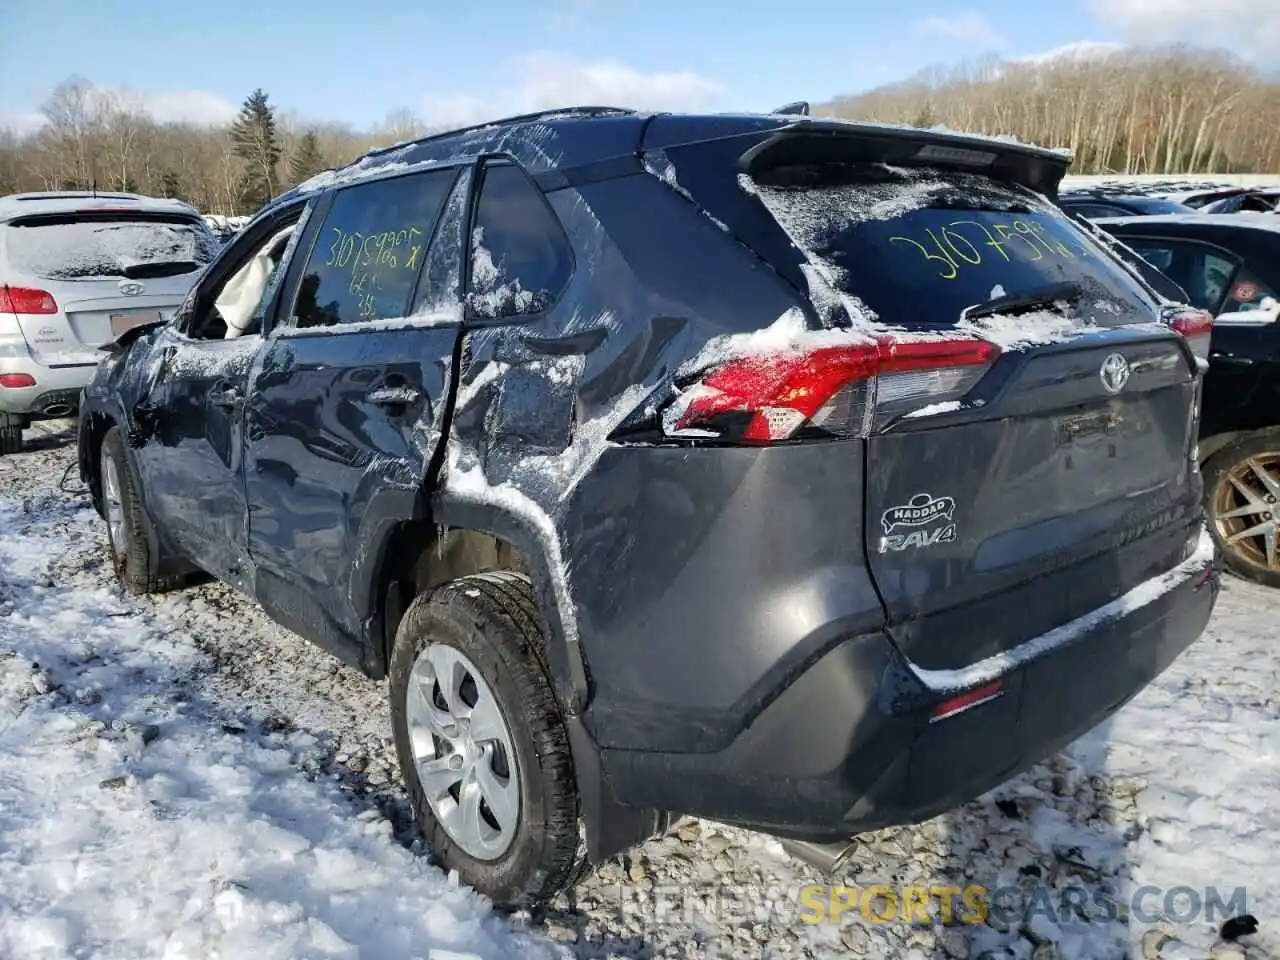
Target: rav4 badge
{"x":920,"y":511}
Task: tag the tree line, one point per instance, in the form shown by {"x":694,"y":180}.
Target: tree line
{"x":1171,"y":110}
{"x":95,"y":138}
{"x":1166,"y":109}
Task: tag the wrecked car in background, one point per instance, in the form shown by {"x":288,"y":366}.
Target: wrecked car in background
{"x":1229,"y":266}
{"x":76,"y":270}
{"x":804,"y":475}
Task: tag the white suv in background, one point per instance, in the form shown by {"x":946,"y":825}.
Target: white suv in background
{"x":77,"y":269}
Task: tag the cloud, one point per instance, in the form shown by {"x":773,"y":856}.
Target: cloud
{"x":1077,"y":51}
{"x":21,"y":124}
{"x":968,"y":27}
{"x":163,"y":106}
{"x":542,"y":81}
{"x":185,"y":106}
{"x":1250,"y":28}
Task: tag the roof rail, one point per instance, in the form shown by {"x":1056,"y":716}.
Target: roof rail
{"x":591,"y":111}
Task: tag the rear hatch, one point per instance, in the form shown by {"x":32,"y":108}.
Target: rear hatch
{"x":1035,"y":461}
{"x":77,"y":280}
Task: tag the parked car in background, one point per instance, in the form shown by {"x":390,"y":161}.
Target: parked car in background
{"x":225,"y":227}
{"x":1223,"y":198}
{"x":1098,"y":202}
{"x":1261,"y":200}
{"x":573,"y":427}
{"x":77,"y":269}
{"x":1229,"y":265}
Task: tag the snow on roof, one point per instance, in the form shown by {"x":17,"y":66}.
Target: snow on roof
{"x":409,"y":156}
{"x":71,"y":201}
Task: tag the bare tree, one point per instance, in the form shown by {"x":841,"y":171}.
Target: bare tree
{"x":1144,"y":110}
{"x":1172,"y":109}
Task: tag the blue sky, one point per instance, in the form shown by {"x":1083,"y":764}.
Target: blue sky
{"x":356,"y":61}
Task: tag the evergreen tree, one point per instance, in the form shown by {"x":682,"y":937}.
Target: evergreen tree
{"x":306,"y":161}
{"x":171,"y":186}
{"x":254,"y":140}
{"x":925,"y":117}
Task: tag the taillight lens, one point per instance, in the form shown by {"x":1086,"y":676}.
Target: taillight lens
{"x":847,"y":390}
{"x":26,"y":300}
{"x":1194,"y":326}
{"x":17,"y":380}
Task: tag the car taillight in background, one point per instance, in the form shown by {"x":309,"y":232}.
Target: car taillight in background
{"x":26,"y":300}
{"x":845,"y":391}
{"x":1194,"y":326}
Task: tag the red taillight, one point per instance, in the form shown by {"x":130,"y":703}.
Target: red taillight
{"x":843,"y":390}
{"x":967,"y":701}
{"x":1194,"y":326}
{"x":16,"y":380}
{"x":26,"y":300}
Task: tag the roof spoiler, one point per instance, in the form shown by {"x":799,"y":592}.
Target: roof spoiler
{"x":820,"y":139}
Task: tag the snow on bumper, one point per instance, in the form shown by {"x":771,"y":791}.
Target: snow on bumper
{"x":1143,"y":595}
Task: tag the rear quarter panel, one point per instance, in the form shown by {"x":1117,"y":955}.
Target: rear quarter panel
{"x":656,"y":554}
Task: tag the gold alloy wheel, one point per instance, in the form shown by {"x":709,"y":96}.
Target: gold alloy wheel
{"x":1246,"y":511}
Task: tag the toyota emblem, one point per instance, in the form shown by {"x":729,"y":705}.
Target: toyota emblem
{"x":1114,"y":373}
{"x":131,"y":288}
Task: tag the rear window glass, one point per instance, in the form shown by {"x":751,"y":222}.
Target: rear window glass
{"x":919,"y":245}
{"x":91,"y":247}
{"x":1154,"y":205}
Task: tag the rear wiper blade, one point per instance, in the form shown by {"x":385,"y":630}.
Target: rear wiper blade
{"x":1068,"y":292}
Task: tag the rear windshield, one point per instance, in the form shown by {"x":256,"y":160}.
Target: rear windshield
{"x":94,"y":246}
{"x":1154,"y":205}
{"x":919,"y":245}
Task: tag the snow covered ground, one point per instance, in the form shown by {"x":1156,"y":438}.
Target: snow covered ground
{"x":180,"y":778}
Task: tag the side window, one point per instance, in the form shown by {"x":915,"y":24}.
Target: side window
{"x":438,"y":289}
{"x":521,"y":259}
{"x":1204,"y":273}
{"x":1248,"y":292}
{"x":1155,"y":252}
{"x":370,"y":250}
{"x":1094,"y":211}
{"x":235,"y":305}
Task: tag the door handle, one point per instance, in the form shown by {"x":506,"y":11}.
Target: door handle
{"x":394,"y":396}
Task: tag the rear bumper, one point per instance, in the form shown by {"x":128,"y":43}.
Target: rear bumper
{"x":56,"y":392}
{"x":841,"y":751}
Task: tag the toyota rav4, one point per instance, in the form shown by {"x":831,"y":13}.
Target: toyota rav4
{"x":804,"y":475}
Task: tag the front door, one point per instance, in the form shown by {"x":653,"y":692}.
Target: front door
{"x":195,"y":400}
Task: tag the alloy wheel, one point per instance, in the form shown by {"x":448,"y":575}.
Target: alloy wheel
{"x":462,"y":752}
{"x":112,"y":506}
{"x":1246,"y":511}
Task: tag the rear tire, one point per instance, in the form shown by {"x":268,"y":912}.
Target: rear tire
{"x":10,"y":434}
{"x":10,"y":440}
{"x":526,"y":849}
{"x":128,"y":545}
{"x":1239,"y":461}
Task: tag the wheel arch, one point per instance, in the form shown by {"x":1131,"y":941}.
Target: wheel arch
{"x":457,"y":538}
{"x":450,"y":539}
{"x":1215,"y":444}
{"x":93,"y":430}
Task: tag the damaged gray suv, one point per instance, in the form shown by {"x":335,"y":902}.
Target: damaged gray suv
{"x":802,"y":475}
